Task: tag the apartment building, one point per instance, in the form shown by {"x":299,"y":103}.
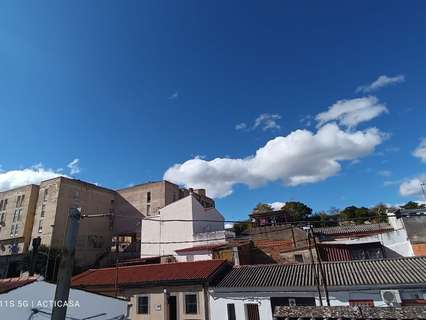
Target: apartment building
{"x":17,"y":207}
{"x":55,"y":198}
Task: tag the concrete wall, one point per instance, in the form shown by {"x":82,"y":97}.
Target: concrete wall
{"x":95,"y":234}
{"x":24,"y":223}
{"x":181,"y":232}
{"x":158,"y":308}
{"x":40,"y":294}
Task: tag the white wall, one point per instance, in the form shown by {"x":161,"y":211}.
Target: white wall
{"x":219,"y":310}
{"x":27,"y":297}
{"x":187,"y":208}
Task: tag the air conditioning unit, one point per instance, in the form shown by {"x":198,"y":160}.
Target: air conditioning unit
{"x":391,"y":297}
{"x":292,"y":302}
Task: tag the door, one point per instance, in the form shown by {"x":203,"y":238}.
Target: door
{"x":172,"y":308}
{"x":252,"y":311}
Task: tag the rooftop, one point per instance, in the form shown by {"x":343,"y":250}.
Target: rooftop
{"x":150,"y":274}
{"x":9,"y":284}
{"x":361,"y":312}
{"x":353,"y":229}
{"x":392,"y":272}
{"x":205,"y":247}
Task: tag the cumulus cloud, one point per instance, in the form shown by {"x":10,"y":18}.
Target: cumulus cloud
{"x":298,"y":158}
{"x":265,"y":122}
{"x":380,"y":82}
{"x":33,"y":175}
{"x":277,"y":205}
{"x":413,"y":186}
{"x":350,"y":113}
{"x":420,"y":151}
{"x":74,"y":166}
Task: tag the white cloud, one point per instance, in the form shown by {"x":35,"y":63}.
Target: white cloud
{"x":420,"y":151}
{"x":384,"y":173}
{"x":277,"y":205}
{"x":380,"y":82}
{"x":300,"y":157}
{"x":74,"y":166}
{"x":412,"y":187}
{"x":267,"y":121}
{"x":241,"y":126}
{"x":33,"y":175}
{"x":174,"y":95}
{"x":350,"y":113}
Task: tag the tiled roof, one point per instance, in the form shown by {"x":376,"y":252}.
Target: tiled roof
{"x":13,"y":283}
{"x":356,"y":228}
{"x":206,"y":247}
{"x":401,"y":271}
{"x":149,"y":274}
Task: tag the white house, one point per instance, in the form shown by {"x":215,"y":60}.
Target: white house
{"x":253,"y":292}
{"x":179,"y":225}
{"x":32,"y":298}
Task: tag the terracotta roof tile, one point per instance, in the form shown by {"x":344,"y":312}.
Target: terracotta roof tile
{"x":9,"y":284}
{"x":149,"y":274}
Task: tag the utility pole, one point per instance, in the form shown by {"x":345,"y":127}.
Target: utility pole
{"x":323,"y":275}
{"x":66,"y":265}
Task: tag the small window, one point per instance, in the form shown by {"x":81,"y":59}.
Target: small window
{"x":18,"y":218}
{"x":148,"y":209}
{"x":12,"y":230}
{"x":292,"y":302}
{"x":298,"y":258}
{"x":191,"y":306}
{"x":46,"y":192}
{"x":22,"y":200}
{"x":18,"y":199}
{"x":40,"y":226}
{"x":2,"y":217}
{"x":148,"y":196}
{"x":231,"y":311}
{"x":16,"y":230}
{"x":4,"y":204}
{"x":189,"y":258}
{"x":43,"y":210}
{"x":143,"y":305}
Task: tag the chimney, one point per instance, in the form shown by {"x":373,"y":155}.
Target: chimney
{"x":236,"y":256}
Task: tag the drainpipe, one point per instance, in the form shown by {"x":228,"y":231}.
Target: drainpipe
{"x":206,"y":302}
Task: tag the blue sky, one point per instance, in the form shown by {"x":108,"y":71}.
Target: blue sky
{"x":132,"y":88}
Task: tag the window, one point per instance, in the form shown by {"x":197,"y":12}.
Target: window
{"x":18,"y":218}
{"x":143,"y":305}
{"x":46,"y":191}
{"x":22,"y":200}
{"x":231,"y":311}
{"x":190,"y":258}
{"x":18,"y":199}
{"x":16,"y":230}
{"x":148,"y":196}
{"x":191,"y":306}
{"x":4,"y":204}
{"x":43,"y":210}
{"x":366,"y":303}
{"x":292,"y":302}
{"x":298,"y":258}
{"x":252,"y":310}
{"x":2,"y":217}
{"x":12,"y":230}
{"x":148,"y":209}
{"x":40,"y":226}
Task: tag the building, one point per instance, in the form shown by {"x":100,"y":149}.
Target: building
{"x":32,"y":298}
{"x":159,"y":291}
{"x":17,"y":208}
{"x":55,"y":198}
{"x":253,"y":292}
{"x":185,"y":222}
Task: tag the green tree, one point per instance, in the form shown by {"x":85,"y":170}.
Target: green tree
{"x":355,"y":214}
{"x":298,"y":210}
{"x":240,"y":227}
{"x":379,"y":212}
{"x":262,"y":207}
{"x":412,"y":205}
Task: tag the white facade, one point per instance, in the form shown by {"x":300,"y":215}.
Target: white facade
{"x":160,"y":236}
{"x":33,"y":301}
{"x":240,"y":297}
